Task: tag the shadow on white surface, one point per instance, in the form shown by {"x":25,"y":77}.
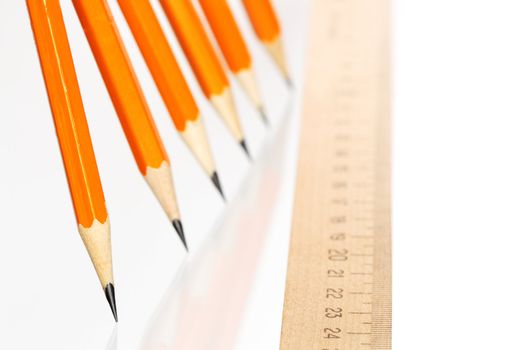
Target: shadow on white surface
{"x":205,"y":304}
{"x":113,"y":339}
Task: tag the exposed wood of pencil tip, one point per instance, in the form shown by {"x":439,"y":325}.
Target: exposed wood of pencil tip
{"x":194,"y":135}
{"x":246,"y":78}
{"x":97,"y":241}
{"x":160,"y":181}
{"x":225,"y":106}
{"x":276,"y":50}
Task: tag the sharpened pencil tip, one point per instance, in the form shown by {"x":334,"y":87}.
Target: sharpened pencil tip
{"x":217,"y":183}
{"x":177,"y":224}
{"x":109,"y":290}
{"x":245,"y":148}
{"x":264,"y":116}
{"x":289,"y":83}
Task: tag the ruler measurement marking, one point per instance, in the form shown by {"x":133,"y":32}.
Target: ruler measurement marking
{"x":338,"y":281}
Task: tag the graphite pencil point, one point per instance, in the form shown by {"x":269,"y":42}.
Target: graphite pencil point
{"x":109,"y":290}
{"x":289,"y":83}
{"x":217,"y":183}
{"x":177,"y":224}
{"x":264,"y":116}
{"x":245,"y":148}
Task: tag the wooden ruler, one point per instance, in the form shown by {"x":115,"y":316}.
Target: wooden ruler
{"x":338,"y":288}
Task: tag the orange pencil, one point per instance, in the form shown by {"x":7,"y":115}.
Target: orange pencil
{"x":266,"y":27}
{"x":128,"y":99}
{"x":73,"y":136}
{"x":169,"y":79}
{"x":204,"y":62}
{"x":233,"y":48}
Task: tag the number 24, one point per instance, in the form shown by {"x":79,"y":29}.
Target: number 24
{"x":331,"y":333}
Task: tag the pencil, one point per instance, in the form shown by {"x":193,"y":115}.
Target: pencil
{"x":266,"y":26}
{"x":204,"y":62}
{"x":233,"y":48}
{"x":170,"y":82}
{"x":130,"y":104}
{"x":73,"y":135}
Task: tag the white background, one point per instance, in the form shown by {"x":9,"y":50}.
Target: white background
{"x":459,"y":175}
{"x":458,"y":184}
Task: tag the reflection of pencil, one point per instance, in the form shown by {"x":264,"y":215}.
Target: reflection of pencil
{"x":266,"y":26}
{"x":233,"y":47}
{"x":170,"y":81}
{"x":129,"y":103}
{"x":204,"y":62}
{"x":73,"y":136}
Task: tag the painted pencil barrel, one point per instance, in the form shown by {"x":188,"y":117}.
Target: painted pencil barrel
{"x":68,"y":111}
{"x":227,"y":34}
{"x":263,"y":19}
{"x":196,"y":46}
{"x":74,"y":139}
{"x":121,"y":82}
{"x":160,"y":60}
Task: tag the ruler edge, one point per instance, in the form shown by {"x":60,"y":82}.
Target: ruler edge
{"x":385,"y":137}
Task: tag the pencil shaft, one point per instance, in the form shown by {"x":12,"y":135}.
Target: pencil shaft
{"x":232,"y":45}
{"x":266,"y":26}
{"x":227,"y":34}
{"x":263,"y":19}
{"x":128,"y":99}
{"x":196,"y":45}
{"x":68,"y":111}
{"x":121,"y":82}
{"x":73,"y":135}
{"x":160,"y":60}
{"x":203,"y":60}
{"x":169,"y":79}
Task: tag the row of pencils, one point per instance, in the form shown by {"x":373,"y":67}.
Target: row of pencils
{"x":129,"y":102}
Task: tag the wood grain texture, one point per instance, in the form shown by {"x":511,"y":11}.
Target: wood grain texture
{"x":338,"y":288}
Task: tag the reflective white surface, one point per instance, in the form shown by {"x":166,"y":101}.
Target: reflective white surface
{"x":211,"y":291}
